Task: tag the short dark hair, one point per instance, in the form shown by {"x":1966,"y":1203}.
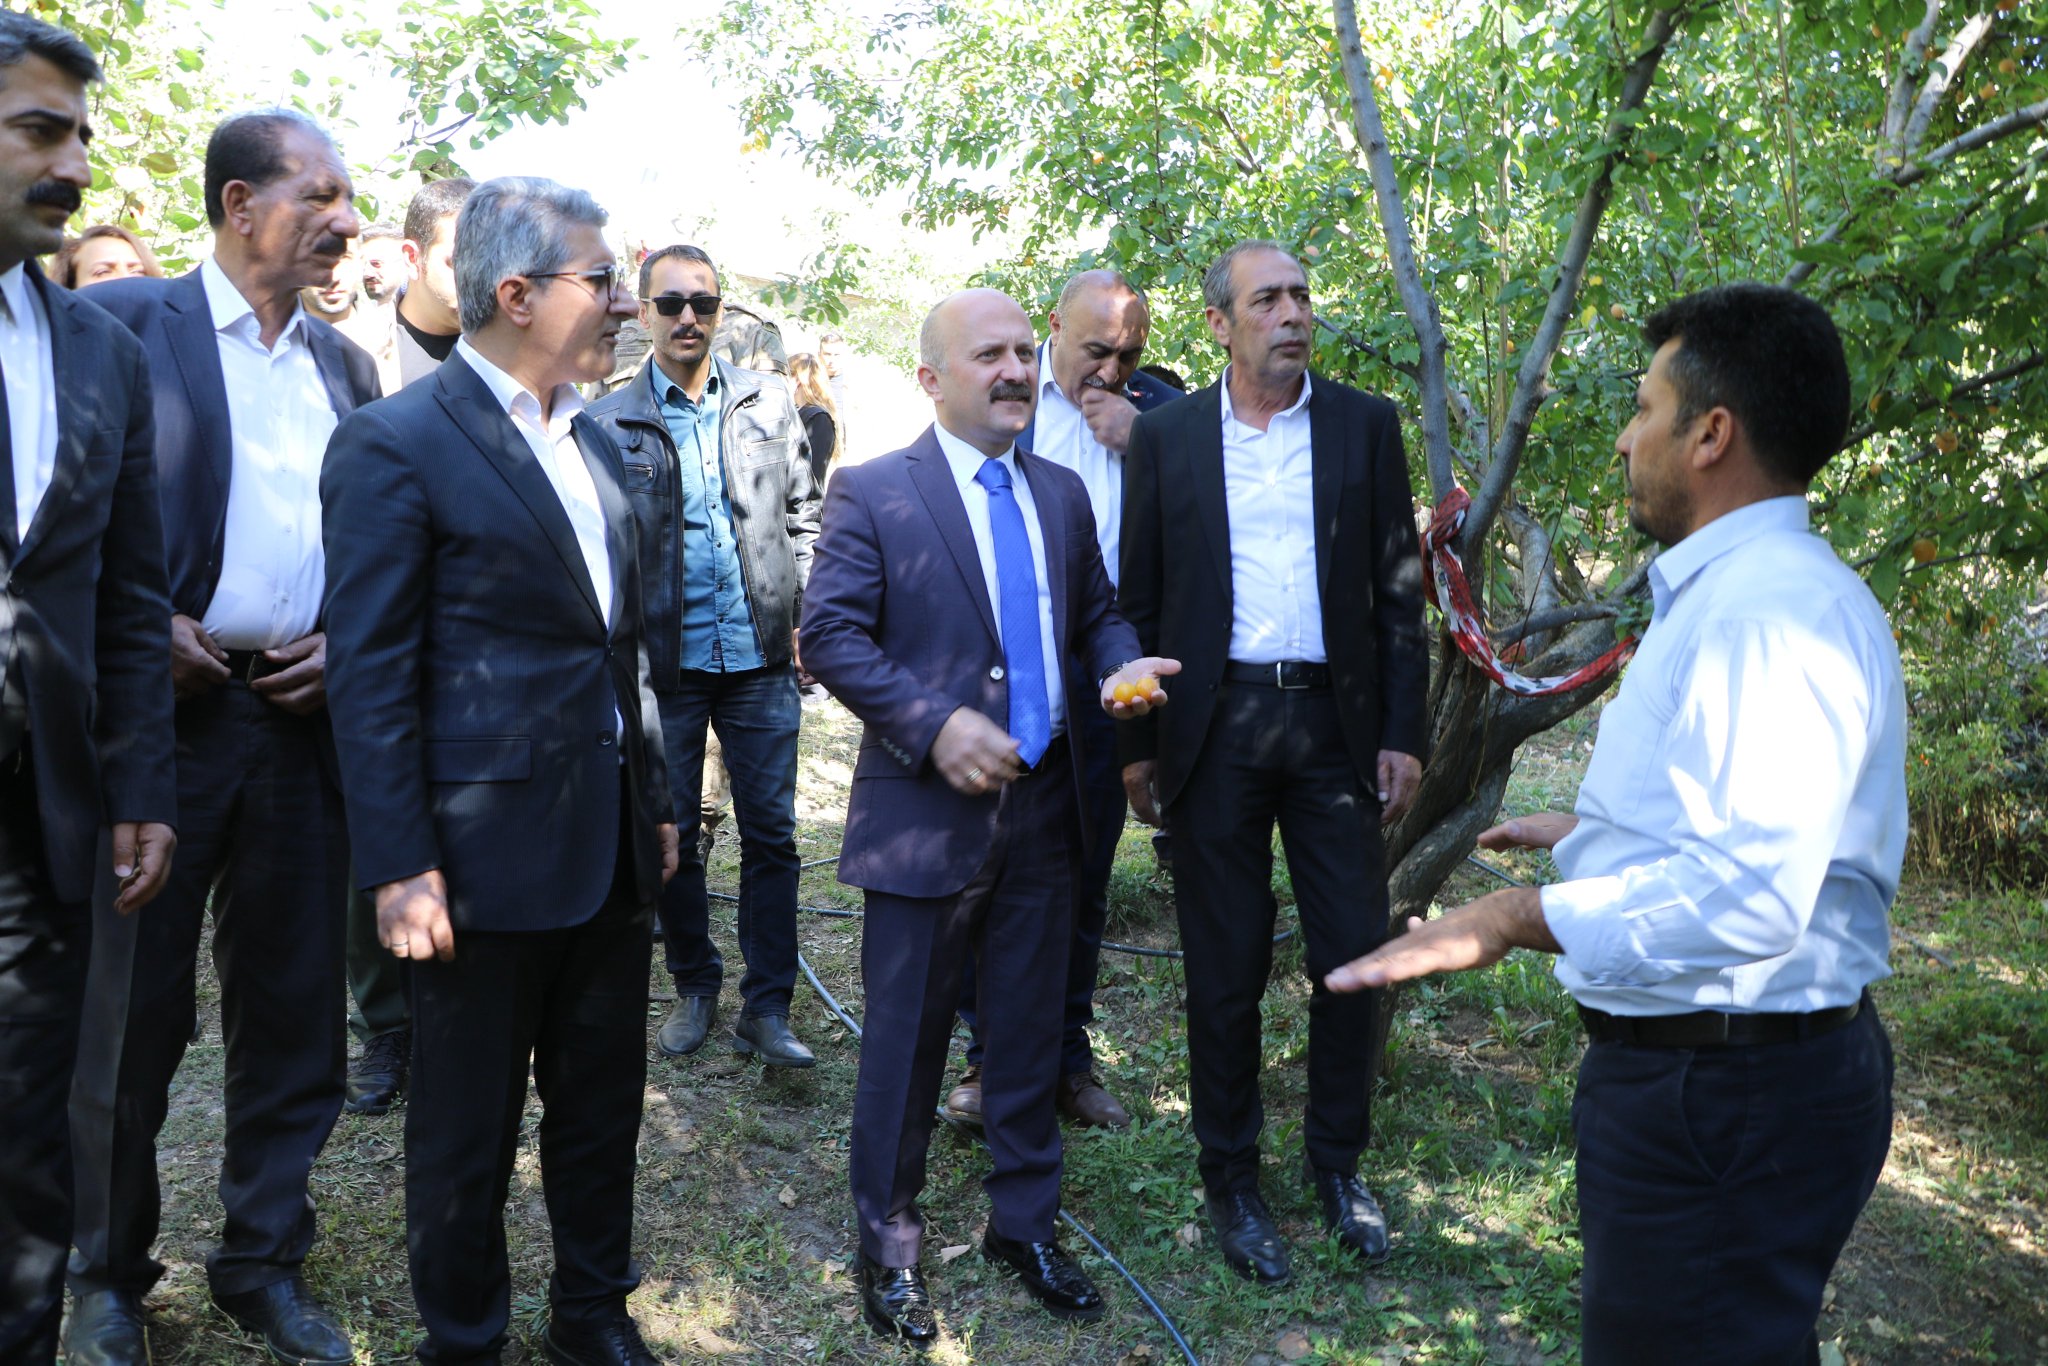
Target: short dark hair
{"x":250,"y":148}
{"x":1769,"y":355}
{"x":436,"y":200}
{"x":22,"y":36}
{"x":681,"y":249}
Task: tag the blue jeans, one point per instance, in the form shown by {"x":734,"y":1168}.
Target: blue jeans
{"x":757,"y":715}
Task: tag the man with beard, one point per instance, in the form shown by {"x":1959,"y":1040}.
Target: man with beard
{"x":342,"y":304}
{"x":385,"y":270}
{"x":959,"y":607}
{"x":247,"y":390}
{"x":719,"y":471}
{"x":1729,"y":870}
{"x":501,"y":750}
{"x":1269,"y":543}
{"x":85,"y":692}
{"x":428,"y":318}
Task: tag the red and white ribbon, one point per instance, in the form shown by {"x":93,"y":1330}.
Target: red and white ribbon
{"x":1454,"y":599}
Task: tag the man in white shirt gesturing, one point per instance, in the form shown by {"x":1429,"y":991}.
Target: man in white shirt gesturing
{"x":1728,"y":873}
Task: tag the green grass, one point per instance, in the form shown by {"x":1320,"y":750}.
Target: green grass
{"x":744,"y":1225}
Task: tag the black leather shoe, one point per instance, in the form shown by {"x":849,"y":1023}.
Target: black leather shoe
{"x":1350,"y":1212}
{"x":296,"y":1328}
{"x":377,"y":1079}
{"x":895,"y":1300}
{"x":768,"y":1037}
{"x":613,"y":1340}
{"x":1248,"y":1237}
{"x":1049,"y":1274}
{"x":107,"y":1329}
{"x":689,"y":1020}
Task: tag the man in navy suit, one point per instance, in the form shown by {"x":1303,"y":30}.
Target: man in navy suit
{"x":1089,"y":394}
{"x":502,"y":756}
{"x":958,"y":605}
{"x":247,"y":390}
{"x":85,"y":691}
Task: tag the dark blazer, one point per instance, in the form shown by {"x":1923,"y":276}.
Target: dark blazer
{"x":194,"y":454}
{"x":474,"y":685}
{"x":1175,"y":581}
{"x":85,"y":620}
{"x":898,"y":625}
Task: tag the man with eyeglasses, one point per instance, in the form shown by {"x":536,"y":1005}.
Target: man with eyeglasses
{"x":501,"y":754}
{"x":719,"y":472}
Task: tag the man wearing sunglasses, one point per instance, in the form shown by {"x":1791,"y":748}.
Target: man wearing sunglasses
{"x":719,"y":472}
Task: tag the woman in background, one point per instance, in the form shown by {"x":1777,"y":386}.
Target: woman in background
{"x":813,"y":395}
{"x":101,"y":253}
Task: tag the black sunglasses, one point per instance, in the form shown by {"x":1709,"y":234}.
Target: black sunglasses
{"x":672,"y":305}
{"x":605,"y":279}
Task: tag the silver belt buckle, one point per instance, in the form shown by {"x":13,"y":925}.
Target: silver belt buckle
{"x":1280,"y":678}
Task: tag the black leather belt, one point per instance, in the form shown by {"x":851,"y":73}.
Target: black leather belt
{"x":1713,"y":1028}
{"x":1288,"y":673}
{"x":246,"y":666}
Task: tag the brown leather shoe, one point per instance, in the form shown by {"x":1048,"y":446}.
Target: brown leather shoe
{"x":1083,"y":1099}
{"x":963,"y":1102}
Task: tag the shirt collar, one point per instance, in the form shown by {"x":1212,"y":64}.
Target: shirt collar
{"x":1680,"y":564}
{"x":664,"y":386}
{"x":1300,"y":402}
{"x":1047,"y":385}
{"x":516,"y":399}
{"x":965,"y":460}
{"x":229,"y":306}
{"x":14,"y":290}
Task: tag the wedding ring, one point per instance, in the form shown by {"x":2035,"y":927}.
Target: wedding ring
{"x":973,"y":775}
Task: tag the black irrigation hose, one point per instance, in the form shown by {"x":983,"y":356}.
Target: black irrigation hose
{"x":1144,"y":1296}
{"x":1503,"y":874}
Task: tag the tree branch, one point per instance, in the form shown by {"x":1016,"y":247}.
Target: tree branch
{"x":1939,"y":80}
{"x":1913,"y":172}
{"x":2003,"y":373}
{"x":1244,"y":159}
{"x":1554,"y":618}
{"x":2019,"y":120}
{"x":1415,"y":296}
{"x":1900,"y":104}
{"x":1531,"y":385}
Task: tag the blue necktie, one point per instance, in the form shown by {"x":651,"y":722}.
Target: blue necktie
{"x":1017,"y":595}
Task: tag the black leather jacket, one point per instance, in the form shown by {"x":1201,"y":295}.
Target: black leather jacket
{"x":775,"y":504}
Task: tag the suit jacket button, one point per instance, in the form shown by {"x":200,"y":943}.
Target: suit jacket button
{"x":607,"y":738}
{"x":996,"y":673}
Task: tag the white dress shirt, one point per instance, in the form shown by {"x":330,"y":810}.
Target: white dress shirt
{"x":31,"y":394}
{"x":1062,"y":435}
{"x":273,"y":569}
{"x":1269,"y":491}
{"x":554,"y":447}
{"x":965,"y":460}
{"x":1743,"y":821}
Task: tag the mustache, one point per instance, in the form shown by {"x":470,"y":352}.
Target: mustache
{"x":691,"y":333}
{"x":332,"y":245}
{"x":1009,"y":389}
{"x":57,"y":194}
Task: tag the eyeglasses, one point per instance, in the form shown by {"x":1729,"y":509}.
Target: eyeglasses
{"x":604,"y":279}
{"x":672,"y":305}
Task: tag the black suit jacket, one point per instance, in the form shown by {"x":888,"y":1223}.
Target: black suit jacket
{"x":474,"y":685}
{"x":194,"y":452}
{"x":900,"y":625}
{"x":85,"y":623}
{"x":1175,"y":582}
